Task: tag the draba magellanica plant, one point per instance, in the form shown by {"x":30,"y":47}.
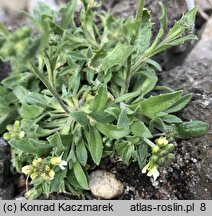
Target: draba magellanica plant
{"x":82,"y":88}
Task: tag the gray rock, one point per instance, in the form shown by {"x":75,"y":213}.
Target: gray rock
{"x":6,"y":182}
{"x":7,"y":192}
{"x":203,"y":48}
{"x":5,"y":69}
{"x":195,"y":77}
{"x":207,"y":167}
{"x":104,"y":185}
{"x":205,"y":4}
{"x":126,"y":8}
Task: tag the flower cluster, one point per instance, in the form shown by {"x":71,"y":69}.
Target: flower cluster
{"x":161,"y":155}
{"x":43,"y":168}
{"x":14,"y":132}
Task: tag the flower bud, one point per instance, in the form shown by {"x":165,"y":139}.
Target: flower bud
{"x":36,"y":162}
{"x":155,"y":149}
{"x":17,"y":124}
{"x":27,"y":170}
{"x":7,"y":136}
{"x":33,"y":176}
{"x":47,"y":168}
{"x":55,"y":160}
{"x":9,"y":127}
{"x":21,"y":135}
{"x":162,"y":141}
{"x":43,"y":174}
{"x":51,"y":173}
{"x":40,"y":160}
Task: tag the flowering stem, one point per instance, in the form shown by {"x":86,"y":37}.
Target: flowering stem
{"x":27,"y":183}
{"x":138,"y":19}
{"x":140,"y":10}
{"x":49,"y":87}
{"x":150,"y":143}
{"x":159,"y":134}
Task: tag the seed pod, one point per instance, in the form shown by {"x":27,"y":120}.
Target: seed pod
{"x":161,"y":161}
{"x":154,"y":158}
{"x":169,"y":147}
{"x":33,"y":193}
{"x":163,"y":153}
{"x":170,"y":156}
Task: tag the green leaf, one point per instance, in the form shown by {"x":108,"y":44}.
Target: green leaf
{"x":58,"y":181}
{"x":100,"y":99}
{"x":70,"y":188}
{"x":156,"y":104}
{"x":114,"y":111}
{"x":81,"y":153}
{"x":80,"y":176}
{"x":119,"y":147}
{"x":180,"y":104}
{"x":189,"y":18}
{"x":117,"y":56}
{"x":30,"y":111}
{"x":171,"y":119}
{"x":95,"y":145}
{"x":144,"y":83}
{"x":80,"y":117}
{"x":127,"y":153}
{"x":68,"y":15}
{"x":87,"y":20}
{"x":35,"y":98}
{"x":143,"y":40}
{"x":72,"y":180}
{"x":191,"y":129}
{"x":157,"y":123}
{"x":112,"y":131}
{"x":185,"y":23}
{"x":123,"y":119}
{"x":21,"y":93}
{"x":163,"y":26}
{"x":179,"y":41}
{"x":31,"y":146}
{"x":55,"y":140}
{"x":139,"y":129}
{"x":42,"y":11}
{"x":142,"y":153}
{"x":4,"y":30}
{"x":16,"y":79}
{"x":127,"y":96}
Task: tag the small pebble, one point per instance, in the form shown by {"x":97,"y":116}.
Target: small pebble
{"x":104,"y":185}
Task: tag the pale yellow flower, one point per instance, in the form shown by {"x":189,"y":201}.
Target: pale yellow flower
{"x":27,"y":170}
